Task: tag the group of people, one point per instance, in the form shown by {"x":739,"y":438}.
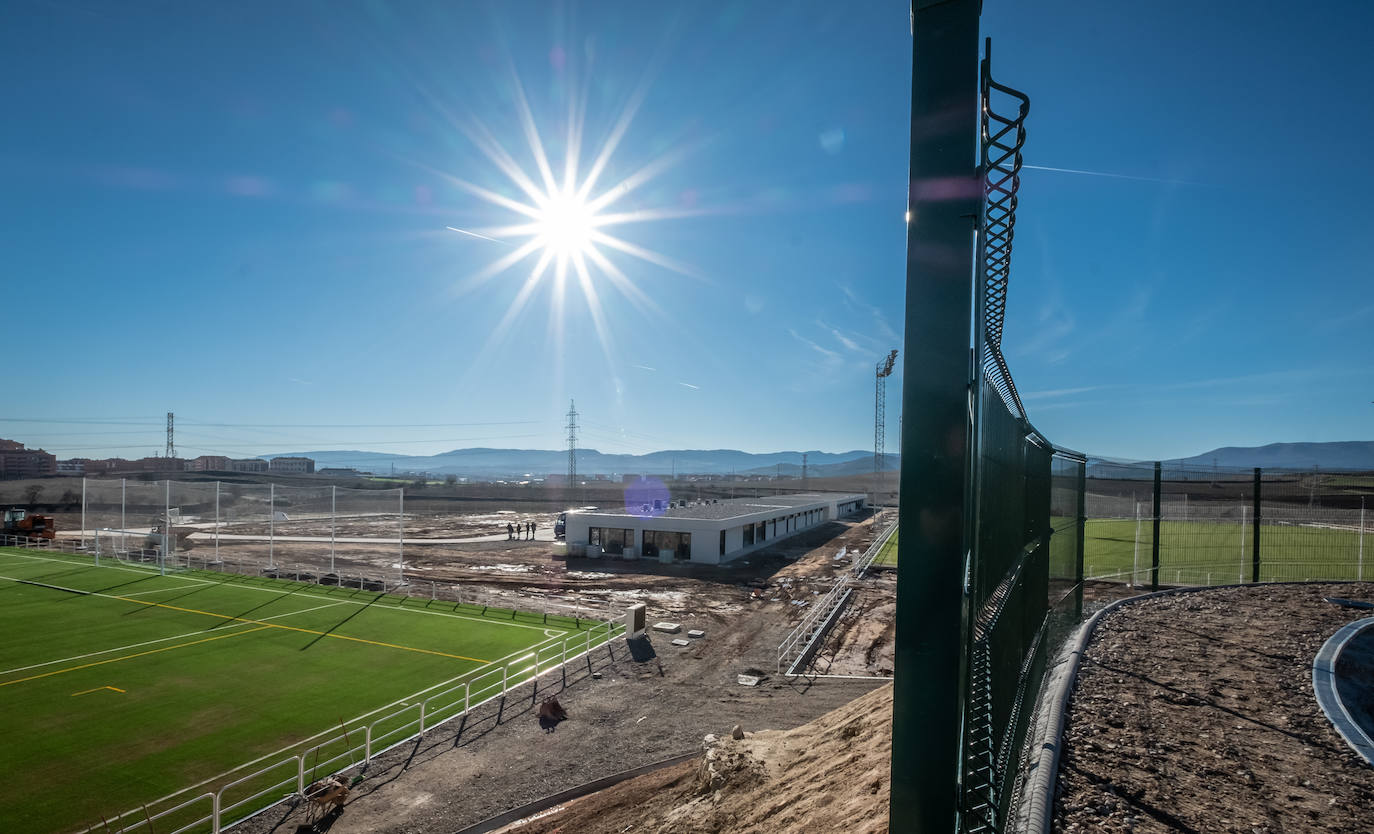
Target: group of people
{"x":524,"y":531}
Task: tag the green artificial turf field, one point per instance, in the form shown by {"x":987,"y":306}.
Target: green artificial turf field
{"x":888,"y":555}
{"x":119,"y":686}
{"x":1199,"y":552}
{"x":1191,"y":551}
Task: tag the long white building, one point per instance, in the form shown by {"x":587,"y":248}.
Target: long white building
{"x":707,"y":531}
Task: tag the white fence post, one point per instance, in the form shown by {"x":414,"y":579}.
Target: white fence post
{"x":333,"y":522}
{"x":1135,"y":559}
{"x":271,"y":522}
{"x":216,"y":521}
{"x":1240,"y":575}
{"x":123,"y":526}
{"x":1360,"y":575}
{"x":166,"y":525}
{"x":401,"y":540}
{"x":83,"y":512}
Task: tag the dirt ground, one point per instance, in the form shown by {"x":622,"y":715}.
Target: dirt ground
{"x":828,"y":775}
{"x":623,"y":712}
{"x":1195,"y":713}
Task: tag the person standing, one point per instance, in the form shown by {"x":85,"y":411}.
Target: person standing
{"x":510,"y":531}
{"x":532,"y":529}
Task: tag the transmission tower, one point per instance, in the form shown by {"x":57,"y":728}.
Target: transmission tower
{"x":572,"y":448}
{"x":171,"y":446}
{"x":882,"y":371}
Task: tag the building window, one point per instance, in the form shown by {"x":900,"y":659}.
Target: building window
{"x":614,"y":539}
{"x":748,"y":535}
{"x":722,"y":542}
{"x":656,"y":541}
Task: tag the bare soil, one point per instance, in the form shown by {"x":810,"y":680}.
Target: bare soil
{"x":1195,"y":713}
{"x":828,"y":775}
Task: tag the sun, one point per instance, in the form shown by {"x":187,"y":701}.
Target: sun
{"x":560,"y":215}
{"x":566,"y":225}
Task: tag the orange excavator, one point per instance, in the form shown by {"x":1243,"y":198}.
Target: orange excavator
{"x":20,"y":523}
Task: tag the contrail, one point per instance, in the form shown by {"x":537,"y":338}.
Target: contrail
{"x":1111,"y":175}
{"x":690,"y":385}
{"x":474,"y":234}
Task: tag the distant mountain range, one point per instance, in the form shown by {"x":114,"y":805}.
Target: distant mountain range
{"x":1341,"y":455}
{"x":517,"y":463}
{"x":1344,"y":456}
{"x":514,"y":463}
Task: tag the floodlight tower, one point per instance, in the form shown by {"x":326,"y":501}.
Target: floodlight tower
{"x":882,"y":371}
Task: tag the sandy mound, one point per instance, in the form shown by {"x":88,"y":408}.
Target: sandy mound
{"x":828,"y":775}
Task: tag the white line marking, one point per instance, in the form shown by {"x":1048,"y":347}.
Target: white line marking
{"x":160,"y":639}
{"x":156,"y":590}
{"x":308,"y":591}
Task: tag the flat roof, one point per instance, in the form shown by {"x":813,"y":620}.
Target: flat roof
{"x":726,"y":508}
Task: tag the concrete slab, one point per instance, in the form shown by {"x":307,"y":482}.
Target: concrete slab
{"x":668,"y":628}
{"x":696,"y":632}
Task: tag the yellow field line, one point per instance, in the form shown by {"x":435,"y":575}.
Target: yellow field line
{"x":131,"y":656}
{"x":97,"y":689}
{"x":297,"y":628}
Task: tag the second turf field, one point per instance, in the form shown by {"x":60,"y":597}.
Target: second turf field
{"x":119,"y":686}
{"x":1197,"y":552}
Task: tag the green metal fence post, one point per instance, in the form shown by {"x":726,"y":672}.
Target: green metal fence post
{"x":1255,"y":536}
{"x":943,"y":198}
{"x":1082,"y":530}
{"x":1154,"y":538}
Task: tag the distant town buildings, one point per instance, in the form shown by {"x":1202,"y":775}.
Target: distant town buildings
{"x":293,"y":466}
{"x":19,"y":462}
{"x":209,"y":463}
{"x":338,"y":472}
{"x":248,"y":465}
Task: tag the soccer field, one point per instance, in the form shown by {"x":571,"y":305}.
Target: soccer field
{"x":1210,"y":553}
{"x":119,"y":686}
{"x":1200,"y":552}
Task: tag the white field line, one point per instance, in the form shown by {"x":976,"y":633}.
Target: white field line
{"x":160,"y":639}
{"x":158,"y":590}
{"x":307,"y":591}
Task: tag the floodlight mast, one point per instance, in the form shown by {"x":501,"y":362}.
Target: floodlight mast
{"x":882,"y":371}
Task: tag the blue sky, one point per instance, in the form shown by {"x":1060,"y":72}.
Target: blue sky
{"x":239,"y":212}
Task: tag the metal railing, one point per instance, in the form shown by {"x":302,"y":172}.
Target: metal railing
{"x":288,"y":778}
{"x":800,"y":643}
{"x":865,"y":561}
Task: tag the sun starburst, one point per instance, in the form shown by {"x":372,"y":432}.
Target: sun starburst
{"x":561,"y":225}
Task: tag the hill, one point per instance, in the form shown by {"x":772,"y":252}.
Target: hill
{"x":516,"y":463}
{"x":1343,"y":455}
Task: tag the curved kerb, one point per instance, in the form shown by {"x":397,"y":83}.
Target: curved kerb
{"x":1329,"y":697}
{"x":1036,"y":808}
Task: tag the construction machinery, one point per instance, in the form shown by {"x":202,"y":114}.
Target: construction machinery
{"x":19,"y":523}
